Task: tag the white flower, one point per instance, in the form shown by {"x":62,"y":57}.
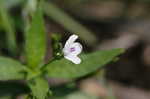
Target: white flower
{"x":72,"y":49}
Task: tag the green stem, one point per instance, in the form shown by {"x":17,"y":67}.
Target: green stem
{"x":45,"y":65}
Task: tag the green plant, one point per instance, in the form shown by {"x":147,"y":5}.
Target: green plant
{"x":35,"y":71}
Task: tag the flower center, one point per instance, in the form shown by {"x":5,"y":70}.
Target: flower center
{"x":72,"y":49}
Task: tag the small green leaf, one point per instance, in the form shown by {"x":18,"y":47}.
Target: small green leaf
{"x":11,"y":69}
{"x":39,"y":88}
{"x":36,"y":40}
{"x":91,"y":62}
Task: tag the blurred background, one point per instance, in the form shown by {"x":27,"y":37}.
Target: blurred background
{"x":100,"y":24}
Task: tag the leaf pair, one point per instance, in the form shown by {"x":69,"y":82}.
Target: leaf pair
{"x":13,"y":70}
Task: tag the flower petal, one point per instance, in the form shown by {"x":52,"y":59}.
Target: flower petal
{"x":78,"y":49}
{"x":74,"y":59}
{"x":71,"y":40}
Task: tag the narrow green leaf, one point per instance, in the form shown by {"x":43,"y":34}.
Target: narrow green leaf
{"x":36,"y":40}
{"x":91,"y":62}
{"x":11,"y":69}
{"x":39,"y":88}
{"x":69,"y":23}
{"x":8,"y":26}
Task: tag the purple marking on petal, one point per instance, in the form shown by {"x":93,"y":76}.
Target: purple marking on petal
{"x":72,"y":49}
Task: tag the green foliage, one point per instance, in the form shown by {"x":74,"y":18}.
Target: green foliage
{"x":35,"y":47}
{"x":39,"y":87}
{"x":11,"y":69}
{"x":36,"y":40}
{"x":90,"y":63}
{"x":7,"y":25}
